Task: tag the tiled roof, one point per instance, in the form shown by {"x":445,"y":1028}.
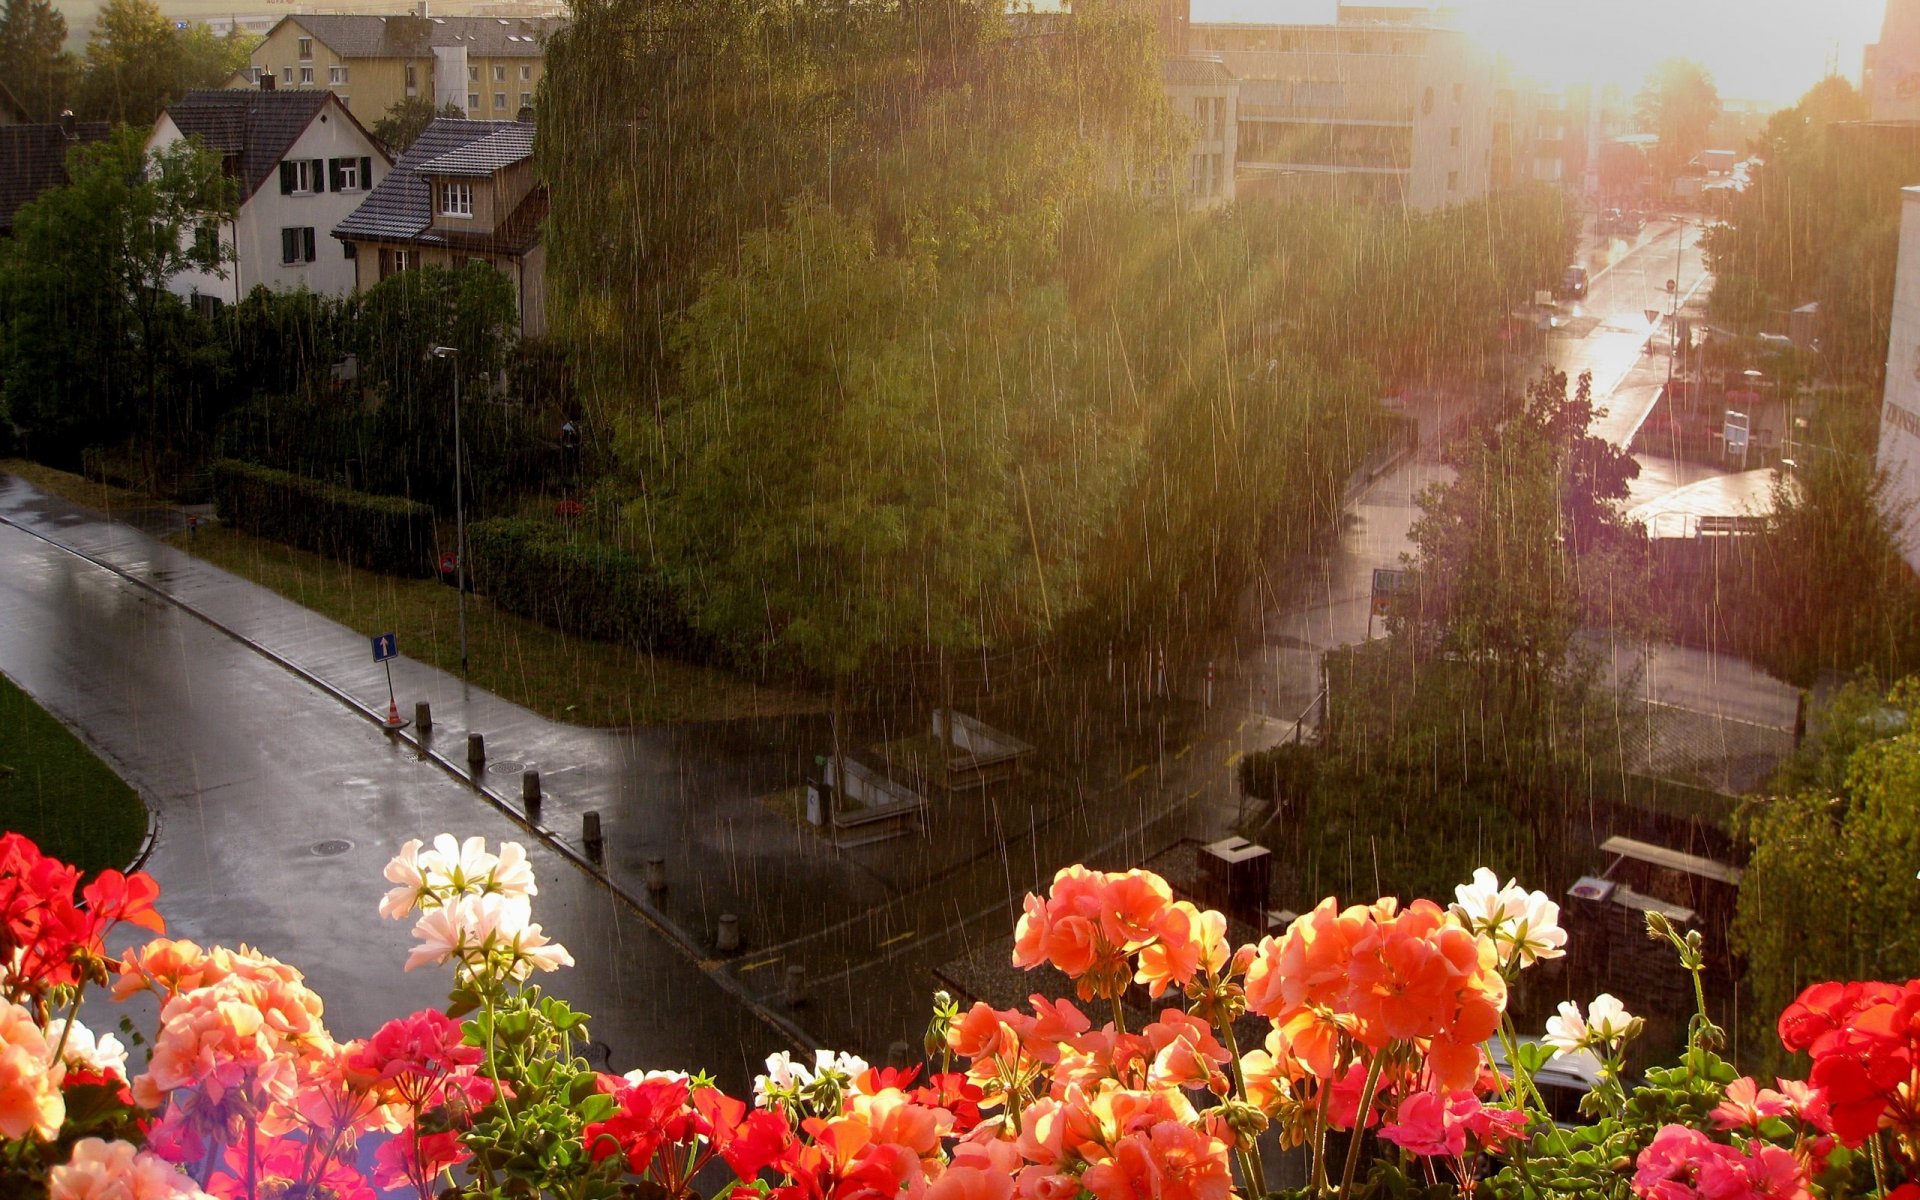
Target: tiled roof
{"x":1196,"y":72}
{"x":511,"y":142}
{"x":352,"y":35}
{"x":257,"y":127}
{"x":402,"y":205}
{"x":33,"y":158}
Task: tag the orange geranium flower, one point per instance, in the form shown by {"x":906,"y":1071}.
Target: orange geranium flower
{"x":30,"y":1099}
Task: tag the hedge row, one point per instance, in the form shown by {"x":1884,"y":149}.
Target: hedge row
{"x":581,"y":588}
{"x":381,"y":533}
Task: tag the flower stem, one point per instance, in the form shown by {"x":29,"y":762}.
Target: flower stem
{"x":1250,"y":1156}
{"x":493,"y":1062}
{"x":1360,"y":1123}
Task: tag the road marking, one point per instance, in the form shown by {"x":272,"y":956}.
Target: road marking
{"x":1136,"y":773}
{"x":755,"y":966}
{"x":1235,"y":757}
{"x":898,"y":937}
{"x":1182,"y":753}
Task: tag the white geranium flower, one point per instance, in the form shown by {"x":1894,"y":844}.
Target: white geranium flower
{"x":512,"y":873}
{"x":83,"y":1049}
{"x":533,"y":952}
{"x":784,"y":1077}
{"x":1484,"y":905}
{"x":1536,"y":934}
{"x":651,"y":1076}
{"x":1608,"y":1020}
{"x":404,"y":870}
{"x":456,"y":864}
{"x":1567,"y":1032}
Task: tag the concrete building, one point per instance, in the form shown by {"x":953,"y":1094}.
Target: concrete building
{"x":1890,"y":68}
{"x":486,"y":67}
{"x":1382,"y":104}
{"x":464,"y":192}
{"x":1899,"y":451}
{"x":1203,"y":91}
{"x":303,"y":164}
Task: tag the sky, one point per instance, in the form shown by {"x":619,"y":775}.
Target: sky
{"x":1766,"y":50}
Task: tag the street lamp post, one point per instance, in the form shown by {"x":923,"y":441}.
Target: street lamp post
{"x":459,"y":507}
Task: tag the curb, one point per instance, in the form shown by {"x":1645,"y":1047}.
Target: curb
{"x":670,"y":932}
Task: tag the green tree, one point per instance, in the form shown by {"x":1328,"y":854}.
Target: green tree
{"x":392,"y":329}
{"x":207,"y":59}
{"x":407,"y":119}
{"x":1829,"y":892}
{"x":1680,"y":104}
{"x":96,"y":348}
{"x":133,"y":64}
{"x":34,"y":61}
{"x":1523,"y":549}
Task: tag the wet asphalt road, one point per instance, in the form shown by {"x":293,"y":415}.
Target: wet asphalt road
{"x":277,"y":809}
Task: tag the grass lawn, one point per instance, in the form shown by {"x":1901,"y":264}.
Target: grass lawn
{"x":56,"y":792}
{"x":567,"y":679}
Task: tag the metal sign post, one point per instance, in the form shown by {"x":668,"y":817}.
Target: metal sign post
{"x":386,"y":647}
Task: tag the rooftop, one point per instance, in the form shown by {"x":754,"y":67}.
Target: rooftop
{"x":400,"y":209}
{"x":351,"y":35}
{"x":33,"y":158}
{"x":256,"y":127}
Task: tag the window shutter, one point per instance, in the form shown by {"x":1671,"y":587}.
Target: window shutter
{"x":286,"y":179}
{"x":319,"y":175}
{"x":366,"y":174}
{"x":333,"y":174}
{"x":306,"y":238}
{"x":288,"y":251}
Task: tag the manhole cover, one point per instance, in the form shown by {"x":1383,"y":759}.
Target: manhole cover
{"x":506,"y":768}
{"x":330,"y":847}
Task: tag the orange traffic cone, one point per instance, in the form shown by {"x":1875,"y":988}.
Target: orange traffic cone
{"x":393,"y":715}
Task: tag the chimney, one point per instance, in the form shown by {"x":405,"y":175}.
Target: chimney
{"x":266,"y":81}
{"x":68,"y":128}
{"x":422,"y":10}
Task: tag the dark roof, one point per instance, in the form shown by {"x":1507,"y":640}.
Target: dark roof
{"x":1190,"y":71}
{"x":509,"y":143}
{"x":256,"y":127}
{"x":363,"y":36}
{"x":400,"y":209}
{"x":33,"y":158}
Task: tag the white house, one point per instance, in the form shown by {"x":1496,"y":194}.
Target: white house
{"x":303,"y":163}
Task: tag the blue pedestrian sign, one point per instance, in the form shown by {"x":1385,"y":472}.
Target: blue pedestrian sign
{"x":385,"y":646}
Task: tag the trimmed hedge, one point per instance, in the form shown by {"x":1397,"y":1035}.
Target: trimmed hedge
{"x":380,"y":533}
{"x":582,"y":588}
{"x":1287,"y":772}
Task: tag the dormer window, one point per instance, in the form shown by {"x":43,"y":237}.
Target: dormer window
{"x":456,"y":200}
{"x":306,"y":49}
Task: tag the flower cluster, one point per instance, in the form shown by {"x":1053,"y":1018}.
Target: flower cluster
{"x":476,"y":908}
{"x":1370,"y":1017}
{"x":1864,"y":1039}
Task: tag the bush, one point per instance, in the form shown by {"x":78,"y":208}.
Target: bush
{"x":582,"y":588}
{"x":381,"y":533}
{"x":1284,"y":772}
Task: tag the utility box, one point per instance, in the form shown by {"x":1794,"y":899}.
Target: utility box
{"x":819,"y":802}
{"x":1235,"y":876}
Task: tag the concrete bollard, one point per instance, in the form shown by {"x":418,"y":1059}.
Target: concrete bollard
{"x":796,"y":985}
{"x":422,"y":717}
{"x":530,"y":792}
{"x":656,"y":874}
{"x":476,"y":751}
{"x":590,"y":836}
{"x":726,"y":938}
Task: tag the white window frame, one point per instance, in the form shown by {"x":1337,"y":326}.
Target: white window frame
{"x":499,"y":99}
{"x":526,"y":99}
{"x":499,"y":73}
{"x":456,"y":200}
{"x":302,"y":176}
{"x":306,"y":49}
{"x":526,"y":73}
{"x":306,"y":76}
{"x":473,"y":74}
{"x":336,"y":74}
{"x":304,"y":235}
{"x":473,"y":101}
{"x":286,"y":76}
{"x":349,"y":170}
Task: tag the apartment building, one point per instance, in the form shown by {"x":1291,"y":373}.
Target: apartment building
{"x":1382,"y":104}
{"x":1205,"y":93}
{"x":488,"y":68}
{"x":1899,"y":450}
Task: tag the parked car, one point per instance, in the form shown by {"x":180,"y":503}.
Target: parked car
{"x":1572,"y":285}
{"x":1561,"y":1081}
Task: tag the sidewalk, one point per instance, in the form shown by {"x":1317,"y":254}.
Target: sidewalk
{"x":714,"y":802}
